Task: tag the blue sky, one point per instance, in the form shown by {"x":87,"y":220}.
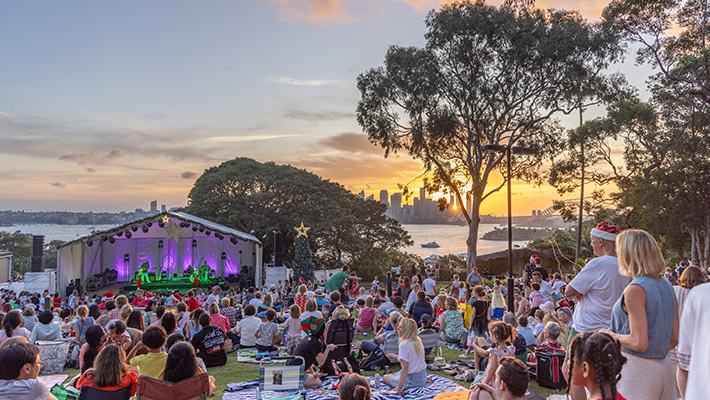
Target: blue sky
{"x":106,"y":105}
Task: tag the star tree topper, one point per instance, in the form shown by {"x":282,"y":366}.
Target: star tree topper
{"x":174,"y":232}
{"x":302,"y":230}
{"x":165,"y":219}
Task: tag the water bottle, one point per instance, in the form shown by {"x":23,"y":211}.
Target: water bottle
{"x":377,"y":381}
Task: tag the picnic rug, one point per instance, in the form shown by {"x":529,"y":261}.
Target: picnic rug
{"x":250,"y":355}
{"x":247,"y":390}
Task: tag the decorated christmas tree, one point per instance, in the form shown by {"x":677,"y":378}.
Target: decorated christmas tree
{"x":302,"y":263}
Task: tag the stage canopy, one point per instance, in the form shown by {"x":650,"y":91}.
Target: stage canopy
{"x":170,"y":242}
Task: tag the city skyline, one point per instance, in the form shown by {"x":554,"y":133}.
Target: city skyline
{"x":108,"y":105}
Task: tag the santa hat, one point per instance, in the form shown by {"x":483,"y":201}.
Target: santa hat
{"x":108,"y":295}
{"x":312,"y":325}
{"x":177,"y":296}
{"x":533,"y":257}
{"x":149,"y":295}
{"x":605,"y":231}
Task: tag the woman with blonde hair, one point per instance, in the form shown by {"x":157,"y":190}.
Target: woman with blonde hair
{"x":82,"y":323}
{"x":451,"y":321}
{"x":645,"y":319}
{"x":410,"y":357}
{"x":266,"y":303}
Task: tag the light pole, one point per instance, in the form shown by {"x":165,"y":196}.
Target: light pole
{"x":508,"y":150}
{"x":12,"y":259}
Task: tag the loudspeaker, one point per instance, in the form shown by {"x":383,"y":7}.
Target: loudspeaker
{"x":37,"y":253}
{"x":278,"y":249}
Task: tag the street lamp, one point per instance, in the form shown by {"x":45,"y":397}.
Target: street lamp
{"x":508,"y":150}
{"x":12,"y":258}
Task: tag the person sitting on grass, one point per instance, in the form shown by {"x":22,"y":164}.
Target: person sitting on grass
{"x":181,"y":364}
{"x":153,"y":363}
{"x":13,"y":325}
{"x":511,"y":382}
{"x":359,"y":305}
{"x":451,"y":322}
{"x":595,"y":363}
{"x":83,"y":322}
{"x":267,"y":333}
{"x":354,"y":387}
{"x":178,"y":337}
{"x":525,"y":331}
{"x":45,"y":329}
{"x":110,"y":371}
{"x":410,"y":357}
{"x":420,"y":307}
{"x":18,"y":375}
{"x":194,"y":326}
{"x":551,"y":334}
{"x":247,"y":327}
{"x":209,"y":343}
{"x":95,"y":338}
{"x":117,"y":335}
{"x":366,"y":319}
{"x":313,"y":350}
{"x":293,"y":325}
{"x":502,"y":335}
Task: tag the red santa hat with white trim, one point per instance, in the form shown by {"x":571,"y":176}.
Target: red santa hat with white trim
{"x":149,"y":295}
{"x":605,"y":231}
{"x":108,"y":296}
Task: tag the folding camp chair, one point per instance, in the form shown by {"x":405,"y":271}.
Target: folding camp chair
{"x":195,"y":388}
{"x":91,"y":393}
{"x":281,"y":377}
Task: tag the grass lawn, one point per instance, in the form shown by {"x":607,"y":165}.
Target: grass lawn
{"x":242,"y":372}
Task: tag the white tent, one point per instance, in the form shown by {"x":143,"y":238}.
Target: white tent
{"x":169,"y":242}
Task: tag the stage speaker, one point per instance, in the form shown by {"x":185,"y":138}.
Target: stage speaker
{"x":77,"y":286}
{"x":37,"y":253}
{"x":278,"y":249}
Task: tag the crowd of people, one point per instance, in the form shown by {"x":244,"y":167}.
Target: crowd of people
{"x":626,"y":326}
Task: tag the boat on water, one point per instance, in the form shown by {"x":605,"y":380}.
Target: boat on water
{"x":430,"y":245}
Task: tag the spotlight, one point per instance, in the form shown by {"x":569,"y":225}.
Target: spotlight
{"x":182,"y":224}
{"x":134,"y":228}
{"x":202,"y":229}
{"x":187,"y":224}
{"x":161,"y":224}
{"x":90,"y":243}
{"x":149,"y":224}
{"x":128,"y":235}
{"x":145,"y":229}
{"x":194,"y":228}
{"x":234,"y":240}
{"x":119,"y":234}
{"x":112,"y":240}
{"x":207,"y":233}
{"x":160,"y":244}
{"x":194,"y":242}
{"x":104,"y":238}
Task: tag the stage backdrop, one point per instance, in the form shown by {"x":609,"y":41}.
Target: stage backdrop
{"x":170,"y":242}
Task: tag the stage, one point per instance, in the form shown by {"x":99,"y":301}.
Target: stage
{"x":172,"y":284}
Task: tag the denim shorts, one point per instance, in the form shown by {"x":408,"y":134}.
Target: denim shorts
{"x":417,"y":379}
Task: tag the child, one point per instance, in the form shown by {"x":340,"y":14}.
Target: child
{"x":293,"y":325}
{"x":153,"y":363}
{"x":366,"y":319}
{"x":502,"y":335}
{"x":595,"y":362}
{"x":117,"y":334}
{"x":359,"y":305}
{"x":83,"y":322}
{"x":498,"y":303}
{"x":536,"y":297}
{"x":539,"y":324}
{"x":267,"y":334}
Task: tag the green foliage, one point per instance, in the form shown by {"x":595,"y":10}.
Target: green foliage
{"x":302,"y":263}
{"x":261,"y":198}
{"x":487,"y":75}
{"x":23,"y":251}
{"x":379,"y":261}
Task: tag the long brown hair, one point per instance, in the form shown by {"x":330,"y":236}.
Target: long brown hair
{"x":109,"y":367}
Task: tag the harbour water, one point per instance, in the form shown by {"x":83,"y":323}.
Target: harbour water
{"x":451,"y":238}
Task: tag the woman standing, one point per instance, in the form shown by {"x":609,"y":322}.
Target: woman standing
{"x":690,"y":278}
{"x":645,"y":319}
{"x":479,"y":319}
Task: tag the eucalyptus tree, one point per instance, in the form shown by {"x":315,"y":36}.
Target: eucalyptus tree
{"x":487,"y":75}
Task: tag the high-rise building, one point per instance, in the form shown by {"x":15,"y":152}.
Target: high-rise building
{"x":396,"y":200}
{"x":370,"y":197}
{"x":162,"y":208}
{"x":384,"y":198}
{"x":154,"y":206}
{"x":422,"y":194}
{"x":361,"y":195}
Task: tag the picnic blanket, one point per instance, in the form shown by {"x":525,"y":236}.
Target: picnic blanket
{"x":250,"y":355}
{"x":440,"y":385}
{"x":51,"y":380}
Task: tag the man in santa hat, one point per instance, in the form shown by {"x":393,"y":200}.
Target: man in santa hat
{"x":595,"y":289}
{"x":107,"y":296}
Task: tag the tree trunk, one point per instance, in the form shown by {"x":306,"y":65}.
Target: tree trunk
{"x":472,"y":240}
{"x":693,"y":237}
{"x":706,"y":253}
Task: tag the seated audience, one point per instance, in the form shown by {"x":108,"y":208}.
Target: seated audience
{"x":410,"y":357}
{"x":247,"y":327}
{"x":209,"y":343}
{"x":135,"y":321}
{"x":117,"y":335}
{"x":178,"y":337}
{"x":28,"y":314}
{"x":95,"y":338}
{"x":168,"y":322}
{"x":194,"y":325}
{"x":45,"y":329}
{"x":18,"y":375}
{"x":451,"y":322}
{"x":313,"y":349}
{"x":354,"y":387}
{"x":83,"y":322}
{"x":13,"y":325}
{"x":153,"y":363}
{"x":181,"y":364}
{"x":110,"y":371}
{"x":525,"y":331}
{"x":293,"y":329}
{"x":366,"y":318}
{"x":511,"y":382}
{"x":267,"y":333}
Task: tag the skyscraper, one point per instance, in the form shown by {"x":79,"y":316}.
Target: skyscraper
{"x":422,"y":194}
{"x":396,"y":200}
{"x":361,"y":195}
{"x":384,"y":196}
{"x":154,"y":206}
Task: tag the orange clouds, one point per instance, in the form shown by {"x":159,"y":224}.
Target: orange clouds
{"x":313,"y":11}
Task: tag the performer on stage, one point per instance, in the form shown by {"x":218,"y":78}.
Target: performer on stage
{"x":204,"y":271}
{"x":195,"y":278}
{"x":142,"y":277}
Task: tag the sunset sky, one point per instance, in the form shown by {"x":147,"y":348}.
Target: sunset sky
{"x":107,"y":105}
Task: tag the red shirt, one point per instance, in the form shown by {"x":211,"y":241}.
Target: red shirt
{"x":221,"y":321}
{"x":57,"y":302}
{"x":300,"y":300}
{"x":137,"y":301}
{"x":131,"y":378}
{"x":192,"y":304}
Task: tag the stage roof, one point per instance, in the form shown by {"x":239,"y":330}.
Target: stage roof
{"x":184,"y":217}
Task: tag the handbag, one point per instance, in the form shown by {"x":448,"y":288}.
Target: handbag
{"x":439,"y":360}
{"x":228,"y":345}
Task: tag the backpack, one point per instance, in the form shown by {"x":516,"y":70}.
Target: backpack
{"x":374,"y":361}
{"x":340,"y":333}
{"x":73,"y":355}
{"x":549,"y":367}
